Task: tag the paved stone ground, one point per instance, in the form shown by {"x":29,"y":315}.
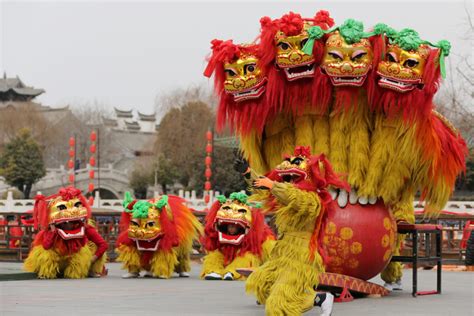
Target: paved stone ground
{"x":115,"y":296}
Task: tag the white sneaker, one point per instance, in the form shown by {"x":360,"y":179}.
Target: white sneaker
{"x":325,"y":301}
{"x":130,"y":275}
{"x":184,"y":275}
{"x":147,"y":274}
{"x":175,"y":275}
{"x":388,"y":286}
{"x":229,"y":276}
{"x":397,"y":286}
{"x":213,"y":276}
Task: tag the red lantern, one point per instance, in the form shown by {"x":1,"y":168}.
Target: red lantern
{"x":208,"y":161}
{"x":91,"y":174}
{"x":91,"y":187}
{"x":206,"y":198}
{"x":71,"y":178}
{"x":92,"y":161}
{"x":70,"y":164}
{"x":72,"y":141}
{"x":71,"y":153}
{"x":209,"y":148}
{"x":93,"y":136}
{"x":207,"y":185}
{"x":209,"y":135}
{"x":93,"y":148}
{"x":208,"y":173}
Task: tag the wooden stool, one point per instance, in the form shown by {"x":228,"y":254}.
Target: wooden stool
{"x":415,"y":230}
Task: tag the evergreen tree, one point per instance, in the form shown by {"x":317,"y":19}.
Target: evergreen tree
{"x":21,"y":163}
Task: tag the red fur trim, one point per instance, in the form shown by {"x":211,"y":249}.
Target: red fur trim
{"x":63,"y":247}
{"x":252,"y":242}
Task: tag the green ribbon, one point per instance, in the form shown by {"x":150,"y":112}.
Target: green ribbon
{"x":127,"y":199}
{"x":314,"y":33}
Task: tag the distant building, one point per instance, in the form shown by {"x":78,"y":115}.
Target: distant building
{"x":123,"y":137}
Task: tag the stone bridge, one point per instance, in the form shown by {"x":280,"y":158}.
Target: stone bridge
{"x":113,"y":182}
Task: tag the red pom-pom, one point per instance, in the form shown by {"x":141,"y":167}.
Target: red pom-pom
{"x":208,"y":161}
{"x":93,"y":148}
{"x":72,"y":153}
{"x":304,"y":151}
{"x":208,"y":148}
{"x":207,"y":185}
{"x":70,"y":164}
{"x":72,"y":141}
{"x":91,"y":187}
{"x":71,"y":178}
{"x":323,"y":20}
{"x":291,"y":24}
{"x":91,"y":174}
{"x":208,"y":173}
{"x":92,"y":161}
{"x":207,"y":198}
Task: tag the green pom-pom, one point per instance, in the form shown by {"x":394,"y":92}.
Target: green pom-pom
{"x":127,"y":199}
{"x":221,"y":198}
{"x":140,"y":209}
{"x":408,"y":39}
{"x":162,"y":202}
{"x":239,"y":196}
{"x":352,"y":31}
{"x":382,"y":28}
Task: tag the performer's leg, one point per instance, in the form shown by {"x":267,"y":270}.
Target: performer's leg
{"x":248,"y":260}
{"x":183,"y":266}
{"x":79,"y":264}
{"x":213,"y":266}
{"x":288,"y":296}
{"x":130,"y":257}
{"x":45,"y":263}
{"x":98,"y":266}
{"x":261,"y":281}
{"x":162,"y":264}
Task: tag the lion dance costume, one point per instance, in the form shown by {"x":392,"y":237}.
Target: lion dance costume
{"x":66,"y":245}
{"x":297,"y":195}
{"x":235,"y":236}
{"x":362,"y":98}
{"x":156,"y":236}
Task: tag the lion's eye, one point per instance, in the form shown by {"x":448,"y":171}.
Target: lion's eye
{"x":297,"y":161}
{"x":62,"y":207}
{"x":283,"y":45}
{"x":391,"y":58}
{"x":133,"y":223}
{"x":358,"y":56}
{"x":150,"y":224}
{"x":230,"y":72}
{"x":335,"y":55}
{"x":242,"y":210}
{"x":78,"y":204}
{"x":410,"y":63}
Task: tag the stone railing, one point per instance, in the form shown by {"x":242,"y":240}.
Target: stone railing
{"x":20,"y":206}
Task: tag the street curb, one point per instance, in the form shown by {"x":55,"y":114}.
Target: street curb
{"x":17,"y":276}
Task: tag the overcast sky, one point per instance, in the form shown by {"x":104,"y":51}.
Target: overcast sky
{"x":124,"y":54}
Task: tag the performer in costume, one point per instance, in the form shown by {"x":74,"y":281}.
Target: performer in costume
{"x":413,"y":147}
{"x":66,"y":245}
{"x":296,"y":192}
{"x":235,"y":236}
{"x":156,"y":236}
{"x":293,"y":88}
